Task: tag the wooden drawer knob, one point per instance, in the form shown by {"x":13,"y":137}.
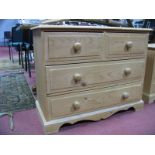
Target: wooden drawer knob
{"x":125,"y":95}
{"x":127,"y":71}
{"x":129,"y":45}
{"x":76,"y":105}
{"x":77,"y":47}
{"x":77,"y":77}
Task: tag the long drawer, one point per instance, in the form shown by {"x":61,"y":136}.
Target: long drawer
{"x":69,"y":78}
{"x":71,"y":47}
{"x":82,"y":102}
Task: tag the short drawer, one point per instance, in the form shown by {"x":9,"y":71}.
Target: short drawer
{"x":69,"y":78}
{"x":69,"y":46}
{"x":82,"y":102}
{"x":125,"y":45}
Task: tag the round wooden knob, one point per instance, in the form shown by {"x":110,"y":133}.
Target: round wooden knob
{"x":77,"y":77}
{"x":76,"y":105}
{"x":129,"y":45}
{"x":125,"y":95}
{"x":127,"y":71}
{"x":83,"y":83}
{"x":77,"y":47}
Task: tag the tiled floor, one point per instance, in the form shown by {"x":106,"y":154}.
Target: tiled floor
{"x":129,"y":122}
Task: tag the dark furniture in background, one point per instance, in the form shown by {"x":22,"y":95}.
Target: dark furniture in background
{"x":147,"y":23}
{"x":137,"y":23}
{"x":91,"y":22}
{"x":7,"y":40}
{"x":7,"y":37}
{"x":22,"y":40}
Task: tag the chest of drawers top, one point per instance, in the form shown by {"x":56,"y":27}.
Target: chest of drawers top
{"x":76,"y":44}
{"x":69,"y":28}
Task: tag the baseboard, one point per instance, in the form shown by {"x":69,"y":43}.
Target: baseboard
{"x":53,"y":126}
{"x":148,"y":98}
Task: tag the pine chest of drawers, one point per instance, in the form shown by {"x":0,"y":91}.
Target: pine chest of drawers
{"x":149,"y":82}
{"x":87,"y":73}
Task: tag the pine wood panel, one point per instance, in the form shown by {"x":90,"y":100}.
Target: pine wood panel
{"x":63,"y":78}
{"x":54,"y":125}
{"x":125,"y":44}
{"x":73,"y":47}
{"x":40,"y":71}
{"x":96,"y":29}
{"x":83,"y":102}
{"x":149,"y":81}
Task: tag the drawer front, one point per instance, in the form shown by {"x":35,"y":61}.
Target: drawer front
{"x":125,"y":45}
{"x":76,"y":47}
{"x":70,"y":105}
{"x":68,"y":46}
{"x":77,"y":77}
